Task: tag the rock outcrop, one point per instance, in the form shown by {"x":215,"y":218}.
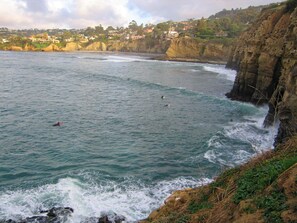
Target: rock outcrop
{"x":96,"y":46}
{"x":72,"y":46}
{"x":63,"y":215}
{"x":15,"y":48}
{"x":29,"y":48}
{"x":201,"y":50}
{"x":139,"y":46}
{"x":51,"y":48}
{"x":266,"y":60}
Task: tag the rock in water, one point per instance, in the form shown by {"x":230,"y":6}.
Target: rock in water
{"x":62,"y":214}
{"x":54,"y":215}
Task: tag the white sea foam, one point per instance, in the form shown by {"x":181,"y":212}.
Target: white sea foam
{"x":124,"y":59}
{"x":130,"y":199}
{"x":221,"y":71}
{"x":223,"y":148}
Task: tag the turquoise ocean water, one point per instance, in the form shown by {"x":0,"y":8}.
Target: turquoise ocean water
{"x":121,"y":148}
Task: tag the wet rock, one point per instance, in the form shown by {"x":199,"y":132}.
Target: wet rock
{"x":113,"y":218}
{"x":54,"y":215}
{"x":39,"y":219}
{"x":265,"y":58}
{"x":58,"y":212}
{"x":61,"y":215}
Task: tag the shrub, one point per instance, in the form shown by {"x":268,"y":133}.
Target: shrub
{"x":258,"y":178}
{"x":273,"y":204}
{"x":291,"y":5}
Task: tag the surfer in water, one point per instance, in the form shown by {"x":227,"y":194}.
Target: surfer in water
{"x":58,"y":124}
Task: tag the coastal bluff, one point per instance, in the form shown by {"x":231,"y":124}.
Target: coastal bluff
{"x":265,"y":58}
{"x":264,"y":189}
{"x":190,"y":49}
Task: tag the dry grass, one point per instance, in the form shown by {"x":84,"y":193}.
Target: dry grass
{"x":214,"y":203}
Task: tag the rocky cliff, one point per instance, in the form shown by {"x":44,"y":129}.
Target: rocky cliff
{"x":96,"y":46}
{"x":139,"y":46}
{"x":187,"y":48}
{"x":72,"y":46}
{"x":51,"y":48}
{"x":265,"y":57}
{"x":264,"y":189}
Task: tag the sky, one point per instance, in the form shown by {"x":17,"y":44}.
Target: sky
{"x":48,"y":14}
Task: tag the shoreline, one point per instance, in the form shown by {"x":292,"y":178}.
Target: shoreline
{"x":192,"y":60}
{"x":151,"y":56}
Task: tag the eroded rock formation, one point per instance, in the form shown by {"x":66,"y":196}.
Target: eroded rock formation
{"x":139,"y":46}
{"x":200,"y":50}
{"x":265,"y":57}
{"x":96,"y":46}
{"x":72,"y":46}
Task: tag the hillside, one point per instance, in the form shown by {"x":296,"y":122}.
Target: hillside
{"x":202,"y":40}
{"x":263,"y":190}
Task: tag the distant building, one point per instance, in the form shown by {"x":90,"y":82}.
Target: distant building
{"x":136,"y":37}
{"x":172,"y":34}
{"x":92,"y":38}
{"x":148,"y":30}
{"x":71,"y":39}
{"x":5,"y":41}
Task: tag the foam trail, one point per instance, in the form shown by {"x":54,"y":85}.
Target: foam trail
{"x":222,"y":71}
{"x":125,"y":59}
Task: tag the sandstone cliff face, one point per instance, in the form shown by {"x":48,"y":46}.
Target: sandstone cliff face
{"x":72,"y":47}
{"x":15,"y":48}
{"x":51,"y":48}
{"x":29,"y":48}
{"x":138,"y":46}
{"x":266,"y":60}
{"x":201,"y":50}
{"x":96,"y":46}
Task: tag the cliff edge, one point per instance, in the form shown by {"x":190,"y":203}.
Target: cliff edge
{"x":262,"y":191}
{"x":265,"y":57}
{"x":186,"y":48}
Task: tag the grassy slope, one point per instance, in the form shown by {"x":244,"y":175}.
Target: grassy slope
{"x":263,"y":190}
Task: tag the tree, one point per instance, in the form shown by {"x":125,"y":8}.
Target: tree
{"x":291,"y":5}
{"x":66,"y":35}
{"x":110,"y":28}
{"x":133,"y":25}
{"x":89,"y":31}
{"x":99,"y":30}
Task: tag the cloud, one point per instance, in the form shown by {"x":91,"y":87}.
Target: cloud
{"x":179,"y":10}
{"x":34,"y":6}
{"x":83,"y":13}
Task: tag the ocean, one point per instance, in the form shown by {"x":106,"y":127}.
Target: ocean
{"x":133,"y":131}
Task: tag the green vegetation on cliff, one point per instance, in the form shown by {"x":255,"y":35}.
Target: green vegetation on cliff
{"x":291,"y":5}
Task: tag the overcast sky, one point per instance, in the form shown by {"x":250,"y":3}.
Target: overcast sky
{"x":21,"y":14}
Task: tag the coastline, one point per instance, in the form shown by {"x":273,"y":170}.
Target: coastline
{"x":193,"y":60}
{"x":151,"y":56}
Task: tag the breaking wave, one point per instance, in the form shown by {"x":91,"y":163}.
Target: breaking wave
{"x":225,"y":147}
{"x":221,"y":71}
{"x":130,"y":198}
